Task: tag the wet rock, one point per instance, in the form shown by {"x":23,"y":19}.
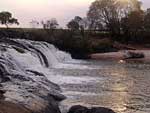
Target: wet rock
{"x":100,"y":110}
{"x":1,"y":94}
{"x":82,"y":109}
{"x":78,"y":109}
{"x":133,"y":55}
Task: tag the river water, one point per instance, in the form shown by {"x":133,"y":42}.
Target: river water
{"x":119,"y":85}
{"x":124,"y":87}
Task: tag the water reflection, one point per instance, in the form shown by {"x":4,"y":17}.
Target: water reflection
{"x":124,"y":87}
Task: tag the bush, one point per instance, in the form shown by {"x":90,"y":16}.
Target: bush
{"x":103,"y":45}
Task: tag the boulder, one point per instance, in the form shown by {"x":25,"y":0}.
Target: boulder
{"x":78,"y":109}
{"x":100,"y":110}
{"x":82,"y":109}
{"x":133,"y":55}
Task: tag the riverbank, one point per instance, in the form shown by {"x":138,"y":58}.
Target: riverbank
{"x":72,"y":42}
{"x":120,"y":55}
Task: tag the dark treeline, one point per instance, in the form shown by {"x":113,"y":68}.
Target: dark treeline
{"x":125,"y":20}
{"x":107,"y":22}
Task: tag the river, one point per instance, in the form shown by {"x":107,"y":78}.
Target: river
{"x":124,"y":87}
{"x":120,"y":85}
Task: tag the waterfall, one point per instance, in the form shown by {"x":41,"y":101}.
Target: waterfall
{"x":20,"y":79}
{"x":35,"y":52}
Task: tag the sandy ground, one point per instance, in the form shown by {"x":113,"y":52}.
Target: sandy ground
{"x":120,"y":55}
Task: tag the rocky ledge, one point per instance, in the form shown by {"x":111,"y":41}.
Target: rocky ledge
{"x":28,"y":94}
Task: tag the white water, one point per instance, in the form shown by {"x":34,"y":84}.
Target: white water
{"x":41,"y":57}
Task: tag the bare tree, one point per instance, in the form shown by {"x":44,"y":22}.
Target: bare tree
{"x":109,"y":13}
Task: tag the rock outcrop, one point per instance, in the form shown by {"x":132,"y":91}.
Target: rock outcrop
{"x":133,"y":55}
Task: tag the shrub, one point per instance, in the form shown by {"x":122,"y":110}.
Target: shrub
{"x":103,"y":45}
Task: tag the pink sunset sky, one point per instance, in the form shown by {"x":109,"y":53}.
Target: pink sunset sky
{"x":62,"y":10}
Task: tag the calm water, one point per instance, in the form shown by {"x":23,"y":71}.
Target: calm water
{"x":124,"y":87}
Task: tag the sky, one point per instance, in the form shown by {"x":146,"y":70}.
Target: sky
{"x":63,"y":10}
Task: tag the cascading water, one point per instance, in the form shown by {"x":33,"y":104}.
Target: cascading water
{"x":47,"y":54}
{"x":27,"y":72}
{"x":20,"y":75}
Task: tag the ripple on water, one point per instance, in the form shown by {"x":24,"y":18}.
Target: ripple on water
{"x":123,"y":87}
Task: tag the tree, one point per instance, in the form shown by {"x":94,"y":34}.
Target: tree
{"x":109,"y":13}
{"x":73,"y":25}
{"x":135,"y":20}
{"x":7,"y":19}
{"x":147,"y":20}
{"x":132,"y":24}
{"x":84,"y":23}
{"x":34,"y":23}
{"x":92,"y":16}
{"x":77,"y":19}
{"x":50,"y":24}
{"x":125,"y":29}
{"x":78,"y":23}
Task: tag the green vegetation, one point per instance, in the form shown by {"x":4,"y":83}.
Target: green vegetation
{"x":103,"y":45}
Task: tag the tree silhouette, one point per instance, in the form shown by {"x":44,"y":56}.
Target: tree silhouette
{"x":147,"y":20}
{"x":7,"y":19}
{"x":77,"y":23}
{"x":34,"y":24}
{"x":73,"y":25}
{"x":50,"y":24}
{"x":109,"y":13}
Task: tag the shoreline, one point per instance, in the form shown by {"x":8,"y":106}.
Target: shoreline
{"x":120,"y":55}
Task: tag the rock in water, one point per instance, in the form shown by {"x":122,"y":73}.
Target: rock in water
{"x":78,"y":109}
{"x":133,"y":55}
{"x":100,"y":110}
{"x":82,"y":109}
